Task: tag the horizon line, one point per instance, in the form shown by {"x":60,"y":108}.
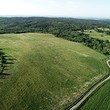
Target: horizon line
{"x":96,"y":18}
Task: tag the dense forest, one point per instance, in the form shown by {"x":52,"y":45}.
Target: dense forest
{"x":67,"y":28}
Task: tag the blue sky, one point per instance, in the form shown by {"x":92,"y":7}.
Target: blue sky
{"x":56,"y":8}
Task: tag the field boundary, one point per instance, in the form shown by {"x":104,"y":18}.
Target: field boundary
{"x":80,"y":100}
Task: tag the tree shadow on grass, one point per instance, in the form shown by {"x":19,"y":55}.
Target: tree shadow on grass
{"x":5,"y":62}
{"x":4,"y":75}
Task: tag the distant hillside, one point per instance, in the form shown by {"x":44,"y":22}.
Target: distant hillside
{"x":48,"y":25}
{"x":67,"y":28}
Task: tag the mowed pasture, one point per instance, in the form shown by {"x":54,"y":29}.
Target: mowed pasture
{"x":98,"y":35}
{"x":48,"y":73}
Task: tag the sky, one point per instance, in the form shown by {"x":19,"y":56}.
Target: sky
{"x":56,"y":8}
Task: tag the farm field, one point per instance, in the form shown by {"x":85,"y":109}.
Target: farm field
{"x":100,"y":100}
{"x":98,"y":35}
{"x":48,"y":73}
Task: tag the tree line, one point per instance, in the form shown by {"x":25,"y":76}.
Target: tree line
{"x":67,"y":28}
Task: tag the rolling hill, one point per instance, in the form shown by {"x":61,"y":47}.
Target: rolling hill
{"x":100,"y":100}
{"x":48,"y":73}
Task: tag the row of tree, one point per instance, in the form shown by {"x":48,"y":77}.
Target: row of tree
{"x":67,"y":28}
{"x":96,"y":44}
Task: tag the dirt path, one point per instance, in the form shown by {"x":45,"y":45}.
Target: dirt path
{"x":89,"y":92}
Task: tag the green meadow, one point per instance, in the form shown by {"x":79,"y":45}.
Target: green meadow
{"x":98,"y":35}
{"x":49,"y":73}
{"x":100,"y":100}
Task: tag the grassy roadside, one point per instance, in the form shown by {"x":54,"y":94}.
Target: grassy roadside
{"x":100,"y":100}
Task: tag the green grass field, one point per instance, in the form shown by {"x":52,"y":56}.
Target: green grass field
{"x":48,"y":73}
{"x":100,"y":100}
{"x":98,"y":35}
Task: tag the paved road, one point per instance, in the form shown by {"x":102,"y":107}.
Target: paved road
{"x":108,"y":63}
{"x":88,"y":93}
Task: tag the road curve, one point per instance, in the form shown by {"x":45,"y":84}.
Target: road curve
{"x":108,"y":63}
{"x":78,"y":102}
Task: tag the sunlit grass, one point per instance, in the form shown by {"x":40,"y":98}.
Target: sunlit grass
{"x":49,"y":72}
{"x":98,"y":35}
